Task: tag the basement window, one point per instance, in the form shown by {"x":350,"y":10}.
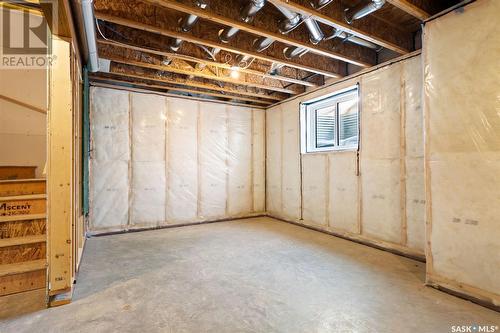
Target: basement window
{"x":331,"y":122}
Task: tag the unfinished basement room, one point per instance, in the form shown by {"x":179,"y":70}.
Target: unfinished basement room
{"x":250,"y":166}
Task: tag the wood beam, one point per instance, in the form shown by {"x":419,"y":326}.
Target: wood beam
{"x":103,"y":78}
{"x":141,"y":38}
{"x":135,"y":58}
{"x":309,"y":62}
{"x":148,"y":91}
{"x":148,"y":74}
{"x":184,"y":57}
{"x":410,"y":9}
{"x":368,"y":28}
{"x":270,"y":30}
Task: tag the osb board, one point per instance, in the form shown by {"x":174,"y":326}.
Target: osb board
{"x":12,"y":284}
{"x":22,"y":228}
{"x":22,"y":187}
{"x":20,"y":303}
{"x":23,"y":207}
{"x":21,"y":253}
{"x":462,"y":153}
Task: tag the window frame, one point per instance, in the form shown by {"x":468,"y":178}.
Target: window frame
{"x":308,"y":120}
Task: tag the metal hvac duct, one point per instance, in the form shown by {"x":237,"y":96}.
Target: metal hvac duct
{"x":353,"y":39}
{"x":176,"y":44}
{"x":262,"y":43}
{"x":363,"y":9}
{"x":187,"y":23}
{"x":275,"y":67}
{"x":243,"y":60}
{"x":317,"y":4}
{"x":294,"y":51}
{"x":315,"y":33}
{"x":291,"y":20}
{"x":247,"y":14}
{"x":87,"y":7}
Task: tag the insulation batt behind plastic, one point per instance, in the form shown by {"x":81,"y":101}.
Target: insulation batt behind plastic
{"x":379,"y":198}
{"x":462,"y":111}
{"x":160,"y":160}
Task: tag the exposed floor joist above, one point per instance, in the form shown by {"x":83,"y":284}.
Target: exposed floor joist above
{"x":410,"y":8}
{"x":260,"y":50}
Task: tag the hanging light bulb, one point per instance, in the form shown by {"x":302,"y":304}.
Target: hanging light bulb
{"x":235,"y":72}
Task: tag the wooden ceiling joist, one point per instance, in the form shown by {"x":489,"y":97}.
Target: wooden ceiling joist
{"x":309,"y":62}
{"x":149,"y":90}
{"x":269,"y":31}
{"x":148,"y":74}
{"x":181,"y":56}
{"x":368,"y":28}
{"x":410,"y":9}
{"x":110,"y":78}
{"x":183,"y":68}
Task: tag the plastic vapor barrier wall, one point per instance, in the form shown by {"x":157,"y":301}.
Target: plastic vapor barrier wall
{"x":377,"y":197}
{"x":462,"y":111}
{"x":160,"y":160}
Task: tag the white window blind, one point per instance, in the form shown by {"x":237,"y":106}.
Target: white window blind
{"x":332,"y":122}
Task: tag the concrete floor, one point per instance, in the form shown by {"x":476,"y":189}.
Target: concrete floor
{"x":255,"y":275}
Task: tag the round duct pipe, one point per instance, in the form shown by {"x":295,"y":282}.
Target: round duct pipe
{"x":247,"y":15}
{"x":291,"y":20}
{"x":363,"y":9}
{"x":294,"y":51}
{"x":187,"y":22}
{"x":318,"y":4}
{"x":262,"y":43}
{"x":315,"y":33}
